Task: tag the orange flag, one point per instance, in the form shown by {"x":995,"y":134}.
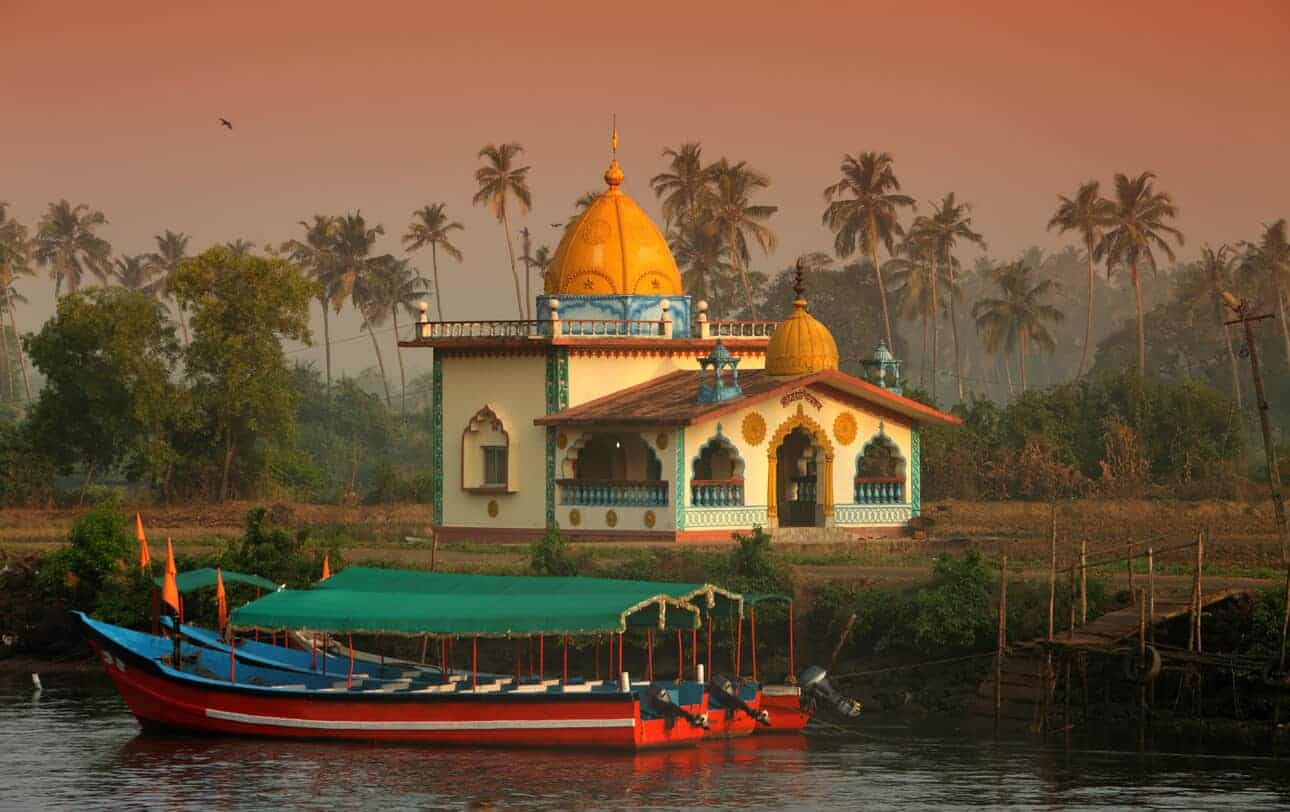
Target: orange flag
{"x":169,"y":587}
{"x":326,"y":568}
{"x":144,"y":558}
{"x":221,"y":600}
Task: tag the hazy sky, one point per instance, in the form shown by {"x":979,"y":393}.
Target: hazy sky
{"x":382,"y":106}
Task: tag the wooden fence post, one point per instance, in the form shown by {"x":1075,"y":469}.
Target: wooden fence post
{"x":1001,"y":644}
{"x":1052,"y":568}
{"x":1083,"y":581}
{"x":1128,"y":563}
{"x":1151,"y":594}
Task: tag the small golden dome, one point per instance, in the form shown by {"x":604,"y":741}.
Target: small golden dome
{"x":801,"y":344}
{"x":613,"y":248}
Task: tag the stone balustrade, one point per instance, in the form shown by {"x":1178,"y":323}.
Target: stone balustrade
{"x":613,"y":493}
{"x":880,"y":490}
{"x":716,"y":492}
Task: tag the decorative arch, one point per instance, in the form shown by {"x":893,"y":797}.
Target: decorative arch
{"x":880,"y":471}
{"x":598,"y":441}
{"x":717,"y":473}
{"x":485,"y":453}
{"x":803,"y":421}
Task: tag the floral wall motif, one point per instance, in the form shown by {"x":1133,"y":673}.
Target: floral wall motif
{"x":845,"y":428}
{"x":754,"y":428}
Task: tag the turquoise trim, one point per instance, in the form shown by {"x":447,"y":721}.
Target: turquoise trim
{"x":680,"y":478}
{"x":915,"y":473}
{"x":557,"y":399}
{"x":436,"y":439}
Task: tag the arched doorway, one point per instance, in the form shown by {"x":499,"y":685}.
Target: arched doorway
{"x":800,"y":475}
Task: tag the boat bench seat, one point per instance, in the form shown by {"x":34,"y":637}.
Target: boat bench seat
{"x":484,"y":688}
{"x":435,"y":689}
{"x":577,"y":688}
{"x":531,"y":688}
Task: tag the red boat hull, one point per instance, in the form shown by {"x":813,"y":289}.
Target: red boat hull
{"x":162,"y":702}
{"x":783,"y":703}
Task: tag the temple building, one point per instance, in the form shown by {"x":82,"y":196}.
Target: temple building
{"x":623,"y":412}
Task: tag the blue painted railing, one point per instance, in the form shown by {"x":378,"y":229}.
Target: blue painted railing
{"x":880,"y":490}
{"x":613,"y":493}
{"x":716,"y":492}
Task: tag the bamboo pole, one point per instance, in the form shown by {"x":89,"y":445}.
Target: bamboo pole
{"x":842,"y":639}
{"x":1151,"y":594}
{"x":1001,"y":644}
{"x":1200,"y":590}
{"x":1083,"y":581}
{"x":1128,"y":563}
{"x":1052,"y":567}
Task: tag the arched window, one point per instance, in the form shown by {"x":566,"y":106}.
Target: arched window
{"x":717,"y":474}
{"x":880,"y":472}
{"x":485,"y":453}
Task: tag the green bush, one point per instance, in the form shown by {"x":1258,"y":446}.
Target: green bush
{"x":551,"y":556}
{"x":100,"y":544}
{"x":273,"y":552}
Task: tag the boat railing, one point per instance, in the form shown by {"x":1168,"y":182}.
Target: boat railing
{"x":880,"y":490}
{"x":613,"y":492}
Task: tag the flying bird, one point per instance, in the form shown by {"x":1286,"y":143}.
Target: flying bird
{"x":226,"y":123}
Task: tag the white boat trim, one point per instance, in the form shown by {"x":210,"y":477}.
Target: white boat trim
{"x":479,"y":724}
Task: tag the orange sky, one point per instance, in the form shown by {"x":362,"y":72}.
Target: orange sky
{"x":382,"y":106}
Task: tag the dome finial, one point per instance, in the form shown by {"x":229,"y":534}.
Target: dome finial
{"x":614,"y":174}
{"x":799,"y":285}
{"x":800,"y":344}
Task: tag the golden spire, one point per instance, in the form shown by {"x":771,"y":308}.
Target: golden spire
{"x":614,"y":174}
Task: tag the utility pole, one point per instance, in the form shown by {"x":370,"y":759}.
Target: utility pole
{"x":528,"y":274}
{"x":1241,"y":308}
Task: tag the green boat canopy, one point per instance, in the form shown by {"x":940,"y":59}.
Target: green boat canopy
{"x":193,"y":580}
{"x":486,"y":614}
{"x":372,"y":579}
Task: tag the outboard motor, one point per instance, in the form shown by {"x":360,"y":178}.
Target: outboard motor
{"x":819,"y":696}
{"x":662,"y":702}
{"x":728,"y":692}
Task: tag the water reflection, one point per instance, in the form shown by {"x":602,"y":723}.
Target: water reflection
{"x":77,"y":745}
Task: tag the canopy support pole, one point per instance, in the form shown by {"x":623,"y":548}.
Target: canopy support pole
{"x":739,"y":648}
{"x":349,"y":680}
{"x":792,"y":659}
{"x":708,"y":667}
{"x":565,"y":674}
{"x":649,"y":653}
{"x":752,"y":639}
{"x":597,"y":656}
{"x":680,"y":658}
{"x":541,"y":655}
{"x":444,"y":668}
{"x":516,"y":646}
{"x":620,"y":652}
{"x":694,"y":652}
{"x":474,"y":662}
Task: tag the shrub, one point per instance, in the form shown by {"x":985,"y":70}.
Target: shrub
{"x":551,"y":556}
{"x":100,"y":544}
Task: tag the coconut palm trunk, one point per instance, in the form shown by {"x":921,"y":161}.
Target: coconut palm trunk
{"x":515,"y":273}
{"x":228,"y":463}
{"x":1142,"y":332}
{"x":6,"y":391}
{"x":922,"y":373}
{"x":882,"y":297}
{"x":22,"y":359}
{"x":398,"y":353}
{"x":936,"y":327}
{"x":1088,"y":318}
{"x":322,"y":303}
{"x":434,"y":264}
{"x":954,"y":329}
{"x":743,"y":272}
{"x":1021,"y":360}
{"x":380,"y":362}
{"x":1281,"y":311}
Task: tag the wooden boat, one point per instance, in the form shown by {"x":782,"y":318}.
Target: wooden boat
{"x":196,"y":698}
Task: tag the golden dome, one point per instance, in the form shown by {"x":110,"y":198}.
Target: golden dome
{"x":801,"y":344}
{"x":613,"y":248}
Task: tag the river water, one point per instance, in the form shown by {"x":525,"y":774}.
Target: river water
{"x":75,"y":745}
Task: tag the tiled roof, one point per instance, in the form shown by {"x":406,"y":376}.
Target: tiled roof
{"x":673,"y":399}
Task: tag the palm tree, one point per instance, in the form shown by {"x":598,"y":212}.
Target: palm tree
{"x":909,"y":275}
{"x":542,"y":259}
{"x":704,"y":259}
{"x":373,"y":294}
{"x":737,"y":218}
{"x":499,"y":179}
{"x":66,"y":243}
{"x":15,"y":262}
{"x":1017,"y":319}
{"x":316,"y":255}
{"x":1217,"y":271}
{"x":240,"y":247}
{"x":1136,"y":227}
{"x":862,"y":213}
{"x":685,"y":189}
{"x":351,"y":248}
{"x":581,"y":205}
{"x":133,"y":271}
{"x":1267,"y":263}
{"x":950,"y":222}
{"x":1089,"y":214}
{"x":395,"y":284}
{"x":431,"y":226}
{"x":172,"y":249}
